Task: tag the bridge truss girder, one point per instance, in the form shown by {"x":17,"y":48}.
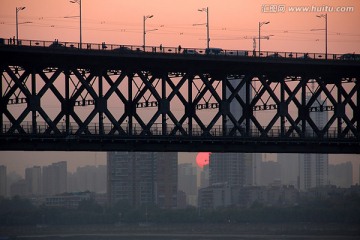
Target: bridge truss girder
{"x":134,"y":108}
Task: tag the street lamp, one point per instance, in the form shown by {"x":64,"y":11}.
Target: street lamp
{"x":79,"y":2}
{"x":207,"y":25}
{"x":144,"y":38}
{"x":260,"y":24}
{"x":18,"y":9}
{"x":324,"y":16}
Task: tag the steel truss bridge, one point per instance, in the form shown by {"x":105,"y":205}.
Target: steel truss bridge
{"x":114,"y":98}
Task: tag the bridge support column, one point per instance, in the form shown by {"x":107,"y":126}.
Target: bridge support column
{"x":190,"y":107}
{"x":100,"y":106}
{"x":130,"y":105}
{"x":303,"y":111}
{"x":33,"y":93}
{"x":224,"y":99}
{"x":249,"y":111}
{"x":2,"y":102}
{"x":357,"y":113}
{"x":338,"y":112}
{"x":163,"y":98}
{"x":67,"y":99}
{"x":282,"y":107}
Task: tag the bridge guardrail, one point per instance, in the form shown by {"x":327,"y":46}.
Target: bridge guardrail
{"x":117,"y":48}
{"x":157,"y":130}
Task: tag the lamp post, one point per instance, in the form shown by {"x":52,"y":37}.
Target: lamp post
{"x":18,"y":9}
{"x":144,"y":36}
{"x":260,"y":24}
{"x":79,"y":2}
{"x":324,"y":16}
{"x":207,"y":25}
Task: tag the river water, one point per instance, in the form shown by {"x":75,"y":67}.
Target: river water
{"x":182,"y":237}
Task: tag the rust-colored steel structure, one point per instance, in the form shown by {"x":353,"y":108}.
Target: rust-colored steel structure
{"x":66,"y":97}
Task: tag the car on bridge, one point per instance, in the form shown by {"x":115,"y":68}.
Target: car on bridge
{"x":122,"y":49}
{"x":350,"y":56}
{"x":274,"y":55}
{"x":305,"y":56}
{"x":190,"y":51}
{"x":214,"y":51}
{"x":56,"y":44}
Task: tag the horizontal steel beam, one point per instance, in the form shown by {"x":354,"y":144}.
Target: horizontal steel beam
{"x":165,"y":144}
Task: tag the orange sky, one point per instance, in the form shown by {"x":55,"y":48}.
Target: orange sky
{"x":231,"y":21}
{"x":121,"y":22}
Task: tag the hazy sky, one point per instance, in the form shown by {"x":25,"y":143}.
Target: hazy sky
{"x":233,"y":24}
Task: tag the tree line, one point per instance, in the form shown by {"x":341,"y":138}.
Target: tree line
{"x":20,"y":211}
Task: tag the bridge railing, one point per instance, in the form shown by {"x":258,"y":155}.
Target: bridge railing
{"x":108,"y":129}
{"x":117,"y":48}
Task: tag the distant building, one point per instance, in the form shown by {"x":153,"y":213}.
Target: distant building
{"x":88,"y":178}
{"x":341,"y":174}
{"x":257,"y":175}
{"x":55,"y":178}
{"x":289,"y":167}
{"x":223,"y":195}
{"x":215,"y":196}
{"x":314,"y":167}
{"x":270,"y":172}
{"x":3,"y":181}
{"x":68,"y":200}
{"x":19,"y":188}
{"x":12,"y":177}
{"x":142,"y":178}
{"x":204,"y":177}
{"x":33,"y":180}
{"x":187,"y":182}
{"x":234,"y":169}
{"x":181,"y":200}
{"x":166,"y":179}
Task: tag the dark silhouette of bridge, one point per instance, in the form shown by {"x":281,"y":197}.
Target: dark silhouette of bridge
{"x":58,"y":96}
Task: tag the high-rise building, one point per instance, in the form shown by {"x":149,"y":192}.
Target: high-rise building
{"x":166,"y":179}
{"x":19,"y":188}
{"x":33,"y":180}
{"x":187,"y":182}
{"x":55,"y":178}
{"x":341,"y":174}
{"x":204,"y":177}
{"x":233,"y":168}
{"x":88,"y":178}
{"x":289,"y":165}
{"x":270,"y":173}
{"x":3,"y":181}
{"x":142,"y":178}
{"x":314,"y":167}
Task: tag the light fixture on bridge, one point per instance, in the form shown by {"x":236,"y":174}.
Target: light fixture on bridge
{"x":79,"y":2}
{"x":207,"y":25}
{"x":18,"y":9}
{"x":324,"y":16}
{"x":144,"y":33}
{"x":260,"y":24}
